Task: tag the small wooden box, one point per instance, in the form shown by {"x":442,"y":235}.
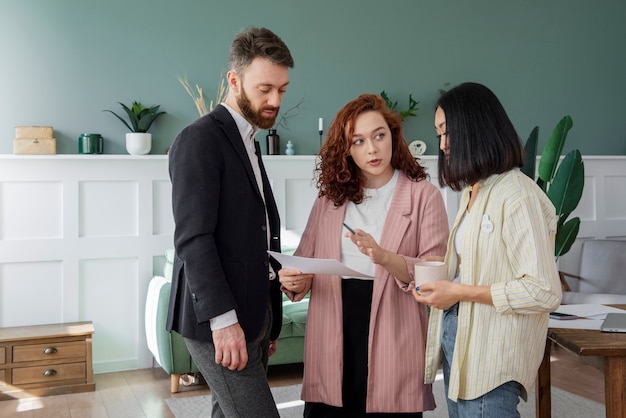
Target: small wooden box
{"x":34,"y":146}
{"x":38,"y":132}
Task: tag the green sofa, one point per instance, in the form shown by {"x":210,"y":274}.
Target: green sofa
{"x":169,"y":349}
{"x":291,"y":340}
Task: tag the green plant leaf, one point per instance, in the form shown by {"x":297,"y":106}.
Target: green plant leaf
{"x":140,"y":117}
{"x":132,"y":116}
{"x":565,"y":236}
{"x":567,"y":186}
{"x":530,"y":154}
{"x":146,"y":121}
{"x":552,"y":151}
{"x":393,"y":106}
{"x":120,"y":118}
{"x":390,"y":105}
{"x":411,"y":111}
{"x":563,"y":186}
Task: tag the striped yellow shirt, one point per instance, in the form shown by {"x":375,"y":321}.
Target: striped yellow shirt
{"x":508,"y":245}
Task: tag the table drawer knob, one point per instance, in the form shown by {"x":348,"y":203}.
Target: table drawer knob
{"x":49,"y":372}
{"x":49,"y":350}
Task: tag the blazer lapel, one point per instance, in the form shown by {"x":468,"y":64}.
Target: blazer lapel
{"x":396,"y":223}
{"x":233,"y":136}
{"x":270,"y":203}
{"x":397,"y":219}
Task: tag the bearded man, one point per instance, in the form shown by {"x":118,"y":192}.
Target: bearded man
{"x":225,"y":299}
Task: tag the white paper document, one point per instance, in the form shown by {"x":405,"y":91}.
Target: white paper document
{"x":590,"y":316}
{"x":588,"y":310}
{"x":317,"y":265}
{"x":580,"y":323}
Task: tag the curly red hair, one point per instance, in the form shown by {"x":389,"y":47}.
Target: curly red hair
{"x":338,"y":177}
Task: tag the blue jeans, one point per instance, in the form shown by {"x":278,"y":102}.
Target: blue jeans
{"x":501,"y":402}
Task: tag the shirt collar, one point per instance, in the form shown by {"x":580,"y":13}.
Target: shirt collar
{"x":245,"y":128}
{"x":492,"y":179}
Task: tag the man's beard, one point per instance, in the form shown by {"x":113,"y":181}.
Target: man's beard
{"x":255,"y":117}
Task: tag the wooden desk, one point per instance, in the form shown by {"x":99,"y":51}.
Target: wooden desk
{"x":610,"y":347}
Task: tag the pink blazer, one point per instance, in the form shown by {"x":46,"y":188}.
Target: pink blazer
{"x":416,"y":226}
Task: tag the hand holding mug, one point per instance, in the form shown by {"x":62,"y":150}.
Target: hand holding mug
{"x":429,"y":271}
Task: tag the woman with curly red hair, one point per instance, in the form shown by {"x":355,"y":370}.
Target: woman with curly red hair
{"x":365,"y":339}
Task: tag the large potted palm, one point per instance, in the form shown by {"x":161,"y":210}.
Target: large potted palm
{"x":563,"y":183}
{"x":138,"y":140}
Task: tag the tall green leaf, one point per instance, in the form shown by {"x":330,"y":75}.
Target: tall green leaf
{"x":563,"y":184}
{"x":567,"y":186}
{"x":530,"y":154}
{"x":565,"y":236}
{"x":552,"y":151}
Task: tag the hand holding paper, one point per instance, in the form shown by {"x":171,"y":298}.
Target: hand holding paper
{"x":317,"y":265}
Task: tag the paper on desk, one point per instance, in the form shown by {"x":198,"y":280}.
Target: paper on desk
{"x":587,"y":310}
{"x":590,"y":316}
{"x":582,"y":323}
{"x":317,"y":265}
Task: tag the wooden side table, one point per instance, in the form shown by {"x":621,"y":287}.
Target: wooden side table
{"x":609,"y":347}
{"x":43,"y":360}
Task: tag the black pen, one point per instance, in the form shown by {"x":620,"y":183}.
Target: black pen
{"x":349,"y":229}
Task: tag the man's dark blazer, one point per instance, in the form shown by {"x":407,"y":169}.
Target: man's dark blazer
{"x":220,"y":239}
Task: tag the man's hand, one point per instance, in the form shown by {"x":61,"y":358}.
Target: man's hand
{"x":230,"y":347}
{"x":273,"y":347}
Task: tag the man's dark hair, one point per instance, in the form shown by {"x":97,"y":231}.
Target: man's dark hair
{"x":255,"y":42}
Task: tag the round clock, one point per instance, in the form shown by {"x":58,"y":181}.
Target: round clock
{"x":417,"y":148}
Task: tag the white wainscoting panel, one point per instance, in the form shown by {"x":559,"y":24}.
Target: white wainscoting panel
{"x":23,"y":216}
{"x":82,"y":235}
{"x":108,"y":209}
{"x":30,"y":292}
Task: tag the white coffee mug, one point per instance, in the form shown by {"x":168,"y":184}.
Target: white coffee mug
{"x":430,"y":271}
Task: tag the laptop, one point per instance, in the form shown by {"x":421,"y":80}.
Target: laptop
{"x":614,"y":322}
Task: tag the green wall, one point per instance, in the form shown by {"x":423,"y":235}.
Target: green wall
{"x":64,"y":61}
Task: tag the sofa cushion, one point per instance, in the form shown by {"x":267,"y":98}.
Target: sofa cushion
{"x":294,"y":318}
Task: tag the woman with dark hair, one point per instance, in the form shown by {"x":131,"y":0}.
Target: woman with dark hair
{"x":365,"y":339}
{"x":489,"y":325}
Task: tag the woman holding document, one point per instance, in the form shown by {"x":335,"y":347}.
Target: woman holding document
{"x":365,"y":339}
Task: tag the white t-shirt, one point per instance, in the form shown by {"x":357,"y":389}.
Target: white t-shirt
{"x":369,"y":216}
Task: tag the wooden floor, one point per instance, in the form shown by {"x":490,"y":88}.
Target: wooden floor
{"x":142,"y":393}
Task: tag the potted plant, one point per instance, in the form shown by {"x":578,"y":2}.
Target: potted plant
{"x":563,"y":185}
{"x":417,"y":147}
{"x":138,"y":140}
{"x":410,"y":111}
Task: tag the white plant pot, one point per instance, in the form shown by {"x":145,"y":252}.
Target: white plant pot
{"x":138,"y":143}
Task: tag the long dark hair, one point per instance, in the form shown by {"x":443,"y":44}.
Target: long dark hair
{"x":339,"y":178}
{"x":482,"y":139}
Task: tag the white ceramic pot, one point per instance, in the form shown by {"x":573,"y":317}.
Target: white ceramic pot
{"x":138,"y":143}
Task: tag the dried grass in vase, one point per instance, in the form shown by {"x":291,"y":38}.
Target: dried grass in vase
{"x":198,"y":95}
